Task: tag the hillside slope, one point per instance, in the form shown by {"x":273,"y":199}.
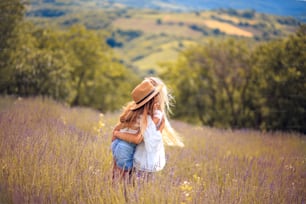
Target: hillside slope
{"x":144,"y":38}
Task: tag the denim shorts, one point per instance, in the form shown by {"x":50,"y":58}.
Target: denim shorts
{"x":123,"y":153}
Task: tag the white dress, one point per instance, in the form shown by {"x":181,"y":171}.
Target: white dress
{"x":150,"y":154}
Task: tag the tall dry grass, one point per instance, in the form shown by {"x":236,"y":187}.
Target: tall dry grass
{"x":50,"y":153}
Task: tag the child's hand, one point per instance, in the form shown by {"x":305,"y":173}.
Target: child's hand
{"x":162,"y":125}
{"x":114,"y":136}
{"x":116,"y":133}
{"x":129,"y":137}
{"x":156,"y":106}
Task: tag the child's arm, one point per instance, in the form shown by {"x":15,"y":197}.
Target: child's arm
{"x":162,"y":125}
{"x":156,"y":120}
{"x":129,"y":137}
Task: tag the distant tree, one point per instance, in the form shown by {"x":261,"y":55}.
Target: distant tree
{"x":98,"y":79}
{"x":231,"y":11}
{"x":158,"y":21}
{"x":95,"y":72}
{"x":243,"y":24}
{"x":49,"y":13}
{"x":181,"y":44}
{"x":249,"y":14}
{"x":228,"y":84}
{"x":129,"y":34}
{"x":199,"y":29}
{"x":195,"y":27}
{"x":75,"y":66}
{"x":35,"y":67}
{"x":11,"y":15}
{"x":112,"y":42}
{"x":217,"y":31}
{"x":280,"y":90}
{"x":288,"y":21}
{"x":214,"y":83}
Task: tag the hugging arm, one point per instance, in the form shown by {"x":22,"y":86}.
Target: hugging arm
{"x":129,"y":137}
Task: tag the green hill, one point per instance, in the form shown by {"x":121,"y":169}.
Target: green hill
{"x":144,"y":38}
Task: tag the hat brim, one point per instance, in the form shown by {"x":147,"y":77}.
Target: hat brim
{"x":135,"y":106}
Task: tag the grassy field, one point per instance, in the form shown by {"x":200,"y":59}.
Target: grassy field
{"x":51,"y":153}
{"x":151,"y":27}
{"x":178,"y":23}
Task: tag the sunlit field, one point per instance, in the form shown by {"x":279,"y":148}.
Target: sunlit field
{"x":51,"y":153}
{"x":150,"y":26}
{"x":227,"y":28}
{"x":151,"y":61}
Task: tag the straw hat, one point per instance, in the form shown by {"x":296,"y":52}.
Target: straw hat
{"x":143,"y":93}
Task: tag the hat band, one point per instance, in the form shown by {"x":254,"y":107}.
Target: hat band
{"x":146,"y":97}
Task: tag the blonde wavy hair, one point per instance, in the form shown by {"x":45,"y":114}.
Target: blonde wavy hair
{"x":170,"y":136}
{"x":132,"y":118}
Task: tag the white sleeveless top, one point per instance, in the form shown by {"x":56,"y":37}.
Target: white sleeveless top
{"x":150,"y":154}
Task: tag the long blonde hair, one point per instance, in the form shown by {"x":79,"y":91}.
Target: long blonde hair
{"x":170,"y":136}
{"x":137,"y":118}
